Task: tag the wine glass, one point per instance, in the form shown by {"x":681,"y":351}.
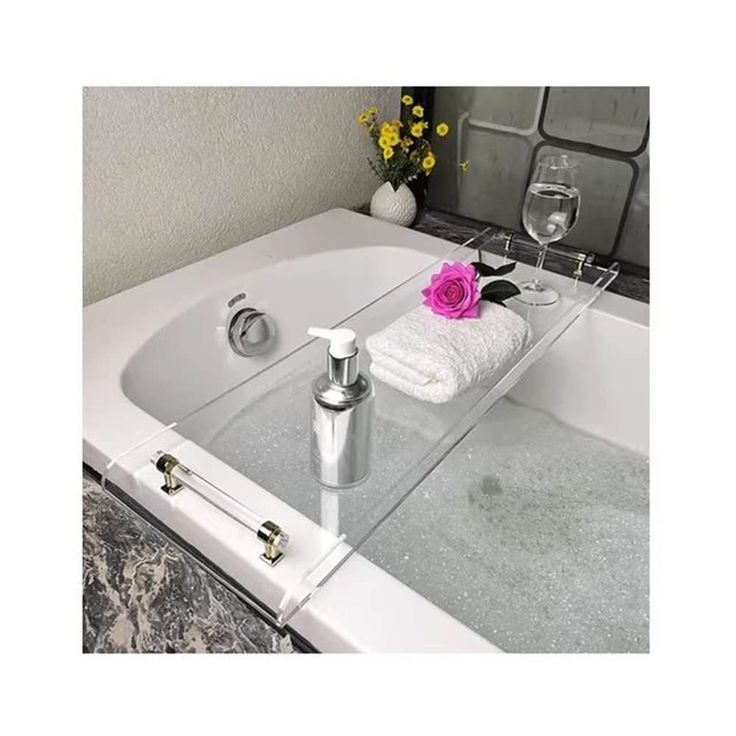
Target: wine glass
{"x":550,"y":211}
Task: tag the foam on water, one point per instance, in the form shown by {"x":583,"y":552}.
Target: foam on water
{"x":530,"y":532}
{"x":268,"y":441}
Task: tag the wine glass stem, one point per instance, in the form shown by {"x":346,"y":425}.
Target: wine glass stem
{"x":536,"y":280}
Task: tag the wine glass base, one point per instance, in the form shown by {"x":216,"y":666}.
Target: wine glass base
{"x":536,"y":295}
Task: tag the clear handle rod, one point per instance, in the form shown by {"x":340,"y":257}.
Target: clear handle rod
{"x":215,"y":495}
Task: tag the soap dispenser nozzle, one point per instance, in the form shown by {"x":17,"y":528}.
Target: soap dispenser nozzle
{"x":342,"y":355}
{"x":342,"y":340}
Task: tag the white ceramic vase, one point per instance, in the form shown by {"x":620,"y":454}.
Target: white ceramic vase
{"x":398,"y":206}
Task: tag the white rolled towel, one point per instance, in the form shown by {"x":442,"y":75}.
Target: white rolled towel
{"x":435,"y":359}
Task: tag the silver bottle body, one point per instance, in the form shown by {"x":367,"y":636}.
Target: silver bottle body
{"x":342,"y":424}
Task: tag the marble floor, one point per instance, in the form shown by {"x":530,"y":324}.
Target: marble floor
{"x":143,"y":594}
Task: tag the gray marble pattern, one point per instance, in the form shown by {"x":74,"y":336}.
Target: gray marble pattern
{"x":144,"y":594}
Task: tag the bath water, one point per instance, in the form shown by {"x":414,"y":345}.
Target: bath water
{"x":533,"y":534}
{"x":530,"y":532}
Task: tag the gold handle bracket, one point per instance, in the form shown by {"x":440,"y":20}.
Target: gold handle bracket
{"x":275,"y":540}
{"x":166,"y":464}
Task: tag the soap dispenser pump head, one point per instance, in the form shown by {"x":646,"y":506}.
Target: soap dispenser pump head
{"x":342,"y":355}
{"x":342,"y":340}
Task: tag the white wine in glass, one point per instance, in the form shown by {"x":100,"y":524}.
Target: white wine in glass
{"x":550,"y":211}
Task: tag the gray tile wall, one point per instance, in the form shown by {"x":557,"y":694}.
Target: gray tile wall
{"x":502,"y":131}
{"x":610,"y":117}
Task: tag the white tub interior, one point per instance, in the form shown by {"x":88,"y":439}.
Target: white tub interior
{"x":194,"y":347}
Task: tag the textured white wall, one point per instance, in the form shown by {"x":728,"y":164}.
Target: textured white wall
{"x":175,"y":174}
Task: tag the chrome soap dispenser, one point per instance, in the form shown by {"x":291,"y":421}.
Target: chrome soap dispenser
{"x":342,"y":414}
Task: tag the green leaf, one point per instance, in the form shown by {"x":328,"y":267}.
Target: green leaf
{"x":483,"y":269}
{"x":498,"y":291}
{"x":506,"y":268}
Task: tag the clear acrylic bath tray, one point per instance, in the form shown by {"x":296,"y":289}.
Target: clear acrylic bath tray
{"x":232,"y":480}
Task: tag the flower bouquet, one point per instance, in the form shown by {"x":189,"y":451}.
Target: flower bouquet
{"x":402,"y":153}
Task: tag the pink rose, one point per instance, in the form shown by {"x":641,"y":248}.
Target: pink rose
{"x":453,"y":292}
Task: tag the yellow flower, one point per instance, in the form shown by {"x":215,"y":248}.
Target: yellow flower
{"x":407,"y":100}
{"x":405,"y":143}
{"x":363,"y":118}
{"x":465,"y":165}
{"x":383,"y":142}
{"x":393,"y":138}
{"x":428,"y":162}
{"x":417,"y":111}
{"x":443,"y":129}
{"x":372,"y":110}
{"x":418,"y":129}
{"x":387,"y":153}
{"x":397,"y":124}
{"x":387,"y":128}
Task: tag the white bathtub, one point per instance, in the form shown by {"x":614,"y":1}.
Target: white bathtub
{"x":160,"y":350}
